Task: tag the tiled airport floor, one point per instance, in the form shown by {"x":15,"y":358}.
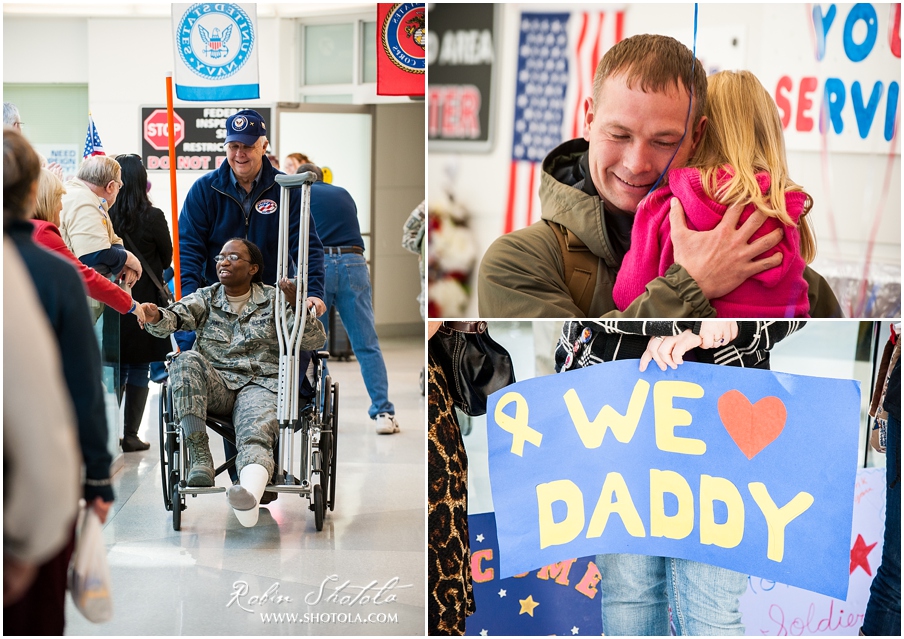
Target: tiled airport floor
{"x":186,"y":583}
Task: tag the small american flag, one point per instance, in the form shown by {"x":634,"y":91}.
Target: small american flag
{"x":93,"y":145}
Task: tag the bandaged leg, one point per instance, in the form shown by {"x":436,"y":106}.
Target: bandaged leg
{"x":246,"y":495}
{"x":256,"y":429}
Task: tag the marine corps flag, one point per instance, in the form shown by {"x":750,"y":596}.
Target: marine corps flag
{"x":401,"y":44}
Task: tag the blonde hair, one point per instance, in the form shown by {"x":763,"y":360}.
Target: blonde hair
{"x":50,"y":190}
{"x":744,"y":135}
{"x":657,"y":64}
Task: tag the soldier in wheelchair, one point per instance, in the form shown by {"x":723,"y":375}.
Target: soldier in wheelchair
{"x":233,"y":369}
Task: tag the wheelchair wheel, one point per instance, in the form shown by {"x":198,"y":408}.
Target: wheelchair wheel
{"x":177,"y":508}
{"x":326,"y":437}
{"x":318,"y":506}
{"x":165,"y":448}
{"x":334,"y":439}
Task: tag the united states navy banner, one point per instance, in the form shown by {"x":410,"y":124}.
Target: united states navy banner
{"x":216,"y":51}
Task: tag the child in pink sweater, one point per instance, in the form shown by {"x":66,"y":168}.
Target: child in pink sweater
{"x":741,"y":159}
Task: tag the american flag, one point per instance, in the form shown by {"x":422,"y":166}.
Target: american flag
{"x":93,"y":145}
{"x":557,"y":57}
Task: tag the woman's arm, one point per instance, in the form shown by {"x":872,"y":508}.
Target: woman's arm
{"x":639,"y":327}
{"x":99,"y":287}
{"x":188,"y":314}
{"x":762,"y":335}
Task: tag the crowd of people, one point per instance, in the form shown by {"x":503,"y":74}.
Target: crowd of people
{"x":95,"y":242}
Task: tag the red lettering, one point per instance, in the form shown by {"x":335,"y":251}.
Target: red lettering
{"x":454,"y":112}
{"x":591,"y":578}
{"x":478,"y":574}
{"x":558,"y":571}
{"x":433,"y":102}
{"x":895,"y":37}
{"x":785,"y":84}
{"x":449,"y":116}
{"x":804,"y":103}
{"x":469,"y":122}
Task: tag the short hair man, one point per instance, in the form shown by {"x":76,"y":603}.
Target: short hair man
{"x":640,"y":121}
{"x":11,"y":116}
{"x":348,"y":288}
{"x":85,"y":224}
{"x":241,"y":199}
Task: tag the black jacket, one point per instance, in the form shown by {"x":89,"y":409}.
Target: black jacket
{"x":62,"y":295}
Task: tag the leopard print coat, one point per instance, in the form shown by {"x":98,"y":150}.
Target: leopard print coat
{"x":451,"y":597}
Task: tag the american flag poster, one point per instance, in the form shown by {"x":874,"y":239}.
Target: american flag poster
{"x":93,"y":145}
{"x":557,"y":57}
{"x":561,"y":599}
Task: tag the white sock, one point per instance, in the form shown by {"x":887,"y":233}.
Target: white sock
{"x":253,"y":478}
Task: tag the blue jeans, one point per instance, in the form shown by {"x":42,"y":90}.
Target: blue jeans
{"x":637,"y":591}
{"x":347,"y":287}
{"x":883,"y":611}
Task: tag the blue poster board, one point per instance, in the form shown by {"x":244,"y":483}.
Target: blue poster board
{"x":746,"y":469}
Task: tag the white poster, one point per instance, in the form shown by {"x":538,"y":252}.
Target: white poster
{"x":773,"y":609}
{"x":834,"y":71}
{"x":66,"y":155}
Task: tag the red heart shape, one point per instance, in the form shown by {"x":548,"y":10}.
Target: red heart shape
{"x":752,"y":426}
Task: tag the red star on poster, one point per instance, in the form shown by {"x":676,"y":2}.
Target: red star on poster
{"x":859,"y":554}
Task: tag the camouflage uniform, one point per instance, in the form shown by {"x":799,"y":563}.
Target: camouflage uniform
{"x":413,"y":240}
{"x":235,"y":365}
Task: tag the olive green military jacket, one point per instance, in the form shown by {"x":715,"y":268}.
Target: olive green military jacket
{"x":522,"y":273}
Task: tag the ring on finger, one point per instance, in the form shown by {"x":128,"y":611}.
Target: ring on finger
{"x":660,"y":337}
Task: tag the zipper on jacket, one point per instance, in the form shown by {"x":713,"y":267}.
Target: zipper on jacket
{"x":247,"y":215}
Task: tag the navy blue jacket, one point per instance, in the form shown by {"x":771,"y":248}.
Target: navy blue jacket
{"x":212,"y":215}
{"x":62,"y":295}
{"x":336,"y":214}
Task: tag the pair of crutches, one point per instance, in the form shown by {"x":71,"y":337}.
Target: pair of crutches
{"x":289,"y":336}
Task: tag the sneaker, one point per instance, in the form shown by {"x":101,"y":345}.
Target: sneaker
{"x":386,"y":424}
{"x":201,"y":473}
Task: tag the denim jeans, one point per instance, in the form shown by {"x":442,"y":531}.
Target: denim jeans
{"x":637,"y":591}
{"x":347,"y":287}
{"x":883,"y":611}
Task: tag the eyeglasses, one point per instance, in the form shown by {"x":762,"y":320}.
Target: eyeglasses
{"x":232,"y":257}
{"x":119,"y":184}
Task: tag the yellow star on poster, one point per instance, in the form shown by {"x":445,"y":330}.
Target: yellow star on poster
{"x":528,"y":605}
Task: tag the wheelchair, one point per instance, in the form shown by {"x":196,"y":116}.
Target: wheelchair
{"x":313,"y":477}
{"x":314,"y":418}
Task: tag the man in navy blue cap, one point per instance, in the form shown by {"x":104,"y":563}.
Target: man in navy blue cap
{"x":241,"y":199}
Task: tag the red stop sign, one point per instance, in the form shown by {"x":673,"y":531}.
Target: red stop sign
{"x":155,"y":129}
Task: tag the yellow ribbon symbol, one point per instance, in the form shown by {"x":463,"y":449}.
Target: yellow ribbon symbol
{"x":517,"y":425}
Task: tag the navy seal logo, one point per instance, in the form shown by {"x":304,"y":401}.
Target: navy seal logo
{"x":215,"y":40}
{"x":266,"y":207}
{"x":239,"y":123}
{"x":404,"y":37}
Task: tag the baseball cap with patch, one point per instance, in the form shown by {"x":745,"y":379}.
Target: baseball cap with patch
{"x":245,"y":126}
